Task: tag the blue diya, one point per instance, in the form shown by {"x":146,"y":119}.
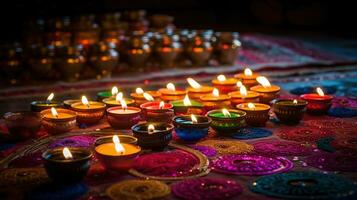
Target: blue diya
{"x":304,"y":185}
{"x":191,"y":128}
{"x":251,"y":133}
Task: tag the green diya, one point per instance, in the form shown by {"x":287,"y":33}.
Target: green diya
{"x":187,"y":107}
{"x":227,"y":121}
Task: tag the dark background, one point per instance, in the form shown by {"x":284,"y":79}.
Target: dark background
{"x":337,"y":18}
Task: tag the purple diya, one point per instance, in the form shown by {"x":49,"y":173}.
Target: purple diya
{"x":206,"y":150}
{"x":251,"y":165}
{"x":206,"y":189}
{"x":74,"y":141}
{"x":333,"y":162}
{"x":303,"y":134}
{"x":167,"y":164}
{"x":281,"y":148}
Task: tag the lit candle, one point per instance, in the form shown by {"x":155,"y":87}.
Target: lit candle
{"x":140,"y":96}
{"x":248,"y":78}
{"x":242,"y":96}
{"x":317,"y":103}
{"x":215,"y":100}
{"x":38,"y":106}
{"x":257,"y":113}
{"x":107,"y":94}
{"x":88,"y":112}
{"x":225,"y":85}
{"x":226,"y":121}
{"x":267,"y":91}
{"x":196,"y":90}
{"x":58,"y":120}
{"x":123,"y":117}
{"x":191,"y":128}
{"x":110,"y":102}
{"x":187,"y":106}
{"x":157,"y":111}
{"x":289,"y":111}
{"x":117,"y":156}
{"x":170,"y":93}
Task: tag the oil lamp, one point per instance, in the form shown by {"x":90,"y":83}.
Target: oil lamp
{"x":227,"y":121}
{"x":191,"y":128}
{"x":289,"y":111}
{"x":56,"y":121}
{"x":187,"y":106}
{"x":215,"y":100}
{"x":257,"y":113}
{"x":242,"y":96}
{"x":88,"y":112}
{"x":140,"y":96}
{"x":123,"y":117}
{"x":197,"y":90}
{"x":38,"y":106}
{"x":107,"y":94}
{"x":267,"y":91}
{"x":225,"y":85}
{"x":119,"y":97}
{"x":170,"y":93}
{"x":317,"y":103}
{"x":248,"y":78}
{"x":157,"y":111}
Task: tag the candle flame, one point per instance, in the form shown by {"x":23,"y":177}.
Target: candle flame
{"x":320,"y":92}
{"x":118,"y":147}
{"x":239,"y":84}
{"x":148,"y":97}
{"x":263,"y":81}
{"x":119,"y":96}
{"x":243,"y":91}
{"x":115,"y":90}
{"x":85,"y":101}
{"x":50,"y":97}
{"x":171,"y":86}
{"x":54,"y":112}
{"x":139,"y":91}
{"x":123,"y":104}
{"x":248,"y":72}
{"x":151,"y":129}
{"x":295,"y":101}
{"x":193,"y":118}
{"x":67,"y":153}
{"x":221,"y":78}
{"x":251,"y":106}
{"x":162,"y":105}
{"x":215,"y":92}
{"x":187,"y":101}
{"x":226,"y":113}
{"x":193,"y":83}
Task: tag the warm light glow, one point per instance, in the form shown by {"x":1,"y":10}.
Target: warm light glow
{"x":151,"y":129}
{"x":119,"y":96}
{"x":187,"y":101}
{"x":243,"y":91}
{"x":67,"y":153}
{"x":50,"y":97}
{"x":248,"y":72}
{"x":123,"y":104}
{"x":118,"y":147}
{"x":162,"y":105}
{"x":251,"y":106}
{"x":221,"y":78}
{"x":85,"y":101}
{"x":239,"y":84}
{"x":193,"y":83}
{"x":171,"y":86}
{"x":54,"y":112}
{"x":263,"y":81}
{"x":320,"y":92}
{"x":226,"y":113}
{"x":139,"y":91}
{"x":148,"y":97}
{"x":215,"y":92}
{"x":295,"y":101}
{"x":193,"y":118}
{"x":115,"y":91}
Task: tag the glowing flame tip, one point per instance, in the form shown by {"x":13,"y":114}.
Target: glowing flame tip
{"x":248,"y":72}
{"x":320,"y":92}
{"x":67,"y":153}
{"x":171,"y":86}
{"x":226,"y":113}
{"x":50,"y":97}
{"x":221,"y":78}
{"x":193,"y":83}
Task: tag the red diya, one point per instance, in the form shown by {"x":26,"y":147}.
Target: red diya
{"x":197,"y":90}
{"x":248,"y":78}
{"x":225,"y":85}
{"x":170,"y":93}
{"x":123,"y":117}
{"x":215,"y":100}
{"x":267,"y":91}
{"x":157,"y":111}
{"x":317,"y":103}
{"x":242,"y":96}
{"x":140,"y":96}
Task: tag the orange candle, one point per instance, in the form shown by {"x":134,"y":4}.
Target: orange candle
{"x":267,"y":91}
{"x":225,"y":85}
{"x":215,"y":100}
{"x":197,"y":90}
{"x":242,"y":96}
{"x":257,"y":113}
{"x":248,"y":78}
{"x":140,"y":96}
{"x":170,"y":93}
{"x":110,"y":102}
{"x":88,"y":112}
{"x":57,"y":121}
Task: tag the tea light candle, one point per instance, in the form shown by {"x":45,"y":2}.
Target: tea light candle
{"x":56,"y":121}
{"x":123,"y":117}
{"x":170,"y":93}
{"x":88,"y":112}
{"x":197,"y":90}
{"x":267,"y":91}
{"x":117,"y":156}
{"x":225,"y":85}
{"x":38,"y":106}
{"x":226,"y":121}
{"x":215,"y":100}
{"x":154,"y":136}
{"x":248,"y":78}
{"x":68,"y":164}
{"x":191,"y":128}
{"x":107,"y":94}
{"x":317,"y":103}
{"x":242,"y":96}
{"x":110,"y":102}
{"x":257,"y":113}
{"x":140,"y":96}
{"x":157,"y":111}
{"x":187,"y":107}
{"x":289,"y":111}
